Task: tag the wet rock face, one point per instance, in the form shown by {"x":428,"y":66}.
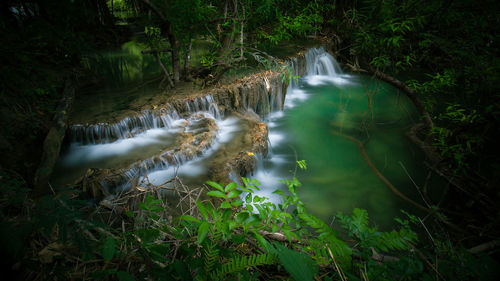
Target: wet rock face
{"x":242,"y":162}
{"x":98,"y":183}
{"x":262,"y":93}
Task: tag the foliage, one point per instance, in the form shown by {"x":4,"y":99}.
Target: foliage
{"x":235,"y":235}
{"x":449,"y":51}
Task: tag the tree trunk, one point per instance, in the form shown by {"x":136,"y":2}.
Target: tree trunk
{"x":165,"y":29}
{"x":53,"y":141}
{"x":176,"y":58}
{"x":187,"y":58}
{"x":241,"y":31}
{"x":105,"y":15}
{"x":165,"y":72}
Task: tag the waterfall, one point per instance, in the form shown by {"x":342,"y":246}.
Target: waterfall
{"x":264,"y":94}
{"x":148,"y":119}
{"x":319,"y":62}
{"x":316,"y":67}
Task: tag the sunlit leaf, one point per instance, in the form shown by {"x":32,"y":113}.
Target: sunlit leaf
{"x":237,"y":203}
{"x":189,"y":218}
{"x":230,"y":187}
{"x":203,"y":210}
{"x":215,"y":185}
{"x":216,"y":193}
{"x":225,"y":205}
{"x":234,"y":193}
{"x":203,"y":231}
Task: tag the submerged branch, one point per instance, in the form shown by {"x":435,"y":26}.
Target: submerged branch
{"x":412,"y":95}
{"x":391,"y":186}
{"x":379,"y":174}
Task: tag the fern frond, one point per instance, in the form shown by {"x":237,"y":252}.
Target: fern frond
{"x":239,"y":263}
{"x":328,"y":236}
{"x":211,"y":255}
{"x":393,"y":241}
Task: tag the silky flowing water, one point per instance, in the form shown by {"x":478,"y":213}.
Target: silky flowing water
{"x":320,"y":110}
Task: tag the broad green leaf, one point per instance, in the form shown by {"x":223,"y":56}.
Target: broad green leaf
{"x":108,"y":250}
{"x":249,"y":208}
{"x":202,"y":209}
{"x":234,"y":193}
{"x":237,"y":203}
{"x":253,"y":219}
{"x":216,"y":193}
{"x":246,"y":189}
{"x":124,"y":276}
{"x":189,"y":218}
{"x":203,"y":231}
{"x":225,"y":205}
{"x":299,"y":265}
{"x":227,"y":214}
{"x":241,"y":217}
{"x":262,"y":241}
{"x":215,"y":185}
{"x":257,"y":199}
{"x":230,"y":187}
{"x":278,"y":191}
{"x":248,"y":198}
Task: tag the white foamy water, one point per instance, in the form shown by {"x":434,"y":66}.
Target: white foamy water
{"x":78,"y":154}
{"x":227,"y":128}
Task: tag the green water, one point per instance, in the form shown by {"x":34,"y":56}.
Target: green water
{"x":337,"y":176}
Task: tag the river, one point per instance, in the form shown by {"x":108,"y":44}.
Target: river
{"x":320,"y":110}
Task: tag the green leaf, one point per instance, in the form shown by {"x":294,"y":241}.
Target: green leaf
{"x":216,"y":193}
{"x":230,"y":187}
{"x":248,"y":198}
{"x":237,"y":203}
{"x":189,"y":218}
{"x":215,"y":185}
{"x":253,"y":219}
{"x":108,"y":251}
{"x":238,"y":239}
{"x":278,"y":191}
{"x":241,"y":217}
{"x":203,"y":231}
{"x":249,"y":208}
{"x":299,"y":265}
{"x":124,"y":276}
{"x":225,"y":205}
{"x":202,"y":209}
{"x":262,"y":241}
{"x":234,"y":193}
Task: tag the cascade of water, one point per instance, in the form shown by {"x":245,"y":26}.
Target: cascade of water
{"x":130,"y":126}
{"x":317,"y":67}
{"x":319,"y":62}
{"x":126,"y":128}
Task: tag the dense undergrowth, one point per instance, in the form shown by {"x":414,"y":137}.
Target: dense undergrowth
{"x":219,"y":238}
